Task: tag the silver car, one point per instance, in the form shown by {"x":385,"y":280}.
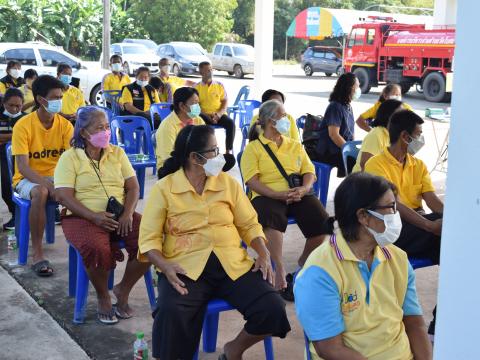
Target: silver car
{"x":236,"y":59}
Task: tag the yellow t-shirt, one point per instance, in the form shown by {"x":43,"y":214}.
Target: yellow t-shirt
{"x":174,"y":81}
{"x":75,"y":170}
{"x":374,"y":143}
{"x":3,"y":87}
{"x":211,"y":96}
{"x":292,"y":134}
{"x":372,"y":112}
{"x":186,"y":227}
{"x":114,"y":82}
{"x":72,"y":100}
{"x":166,"y":96}
{"x":27,"y":97}
{"x":167,"y":134}
{"x":127,"y":98}
{"x":411,"y":179}
{"x":256,"y":161}
{"x":43,"y":146}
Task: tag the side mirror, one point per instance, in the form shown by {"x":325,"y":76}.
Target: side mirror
{"x":78,"y":66}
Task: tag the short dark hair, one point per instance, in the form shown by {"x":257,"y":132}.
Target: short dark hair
{"x":43,"y":84}
{"x":62,"y":66}
{"x":342,"y":92}
{"x":12,"y":92}
{"x":156,"y":82}
{"x":115,"y":56}
{"x":359,"y":190}
{"x":402,"y":120}
{"x":192,"y":138}
{"x":385,"y":111}
{"x":202,"y":64}
{"x":13,"y":63}
{"x":182,"y":95}
{"x":272,"y":92}
{"x":142,"y":69}
{"x":30,"y":73}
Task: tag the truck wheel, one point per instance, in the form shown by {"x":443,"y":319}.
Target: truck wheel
{"x":96,"y":96}
{"x":405,"y":87}
{"x":363,"y":78}
{"x":238,"y":71}
{"x":308,"y":70}
{"x":328,"y":74}
{"x":434,"y":87}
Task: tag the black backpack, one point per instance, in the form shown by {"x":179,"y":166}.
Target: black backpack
{"x":311,"y":132}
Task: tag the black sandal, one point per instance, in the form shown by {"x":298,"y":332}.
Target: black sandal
{"x":42,"y":268}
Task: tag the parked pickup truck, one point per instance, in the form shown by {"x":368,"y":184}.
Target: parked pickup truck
{"x":236,"y":59}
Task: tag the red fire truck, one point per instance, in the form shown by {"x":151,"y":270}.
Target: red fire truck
{"x":380,"y":52}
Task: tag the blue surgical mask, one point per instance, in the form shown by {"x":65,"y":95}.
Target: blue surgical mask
{"x":10,"y":115}
{"x":358,"y":93}
{"x":66,"y":79}
{"x":142,"y":83}
{"x":283,"y":125}
{"x":54,"y":106}
{"x":117,"y":67}
{"x":195,"y":110}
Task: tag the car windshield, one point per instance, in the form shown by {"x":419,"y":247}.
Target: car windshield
{"x":148,"y":43}
{"x":243,"y":51}
{"x":184,"y":50}
{"x":135,"y":49}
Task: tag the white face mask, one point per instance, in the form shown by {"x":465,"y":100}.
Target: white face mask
{"x":214,"y":166}
{"x":10,"y":115}
{"x":15,"y":73}
{"x":142,"y":83}
{"x":282,"y":125}
{"x":393,"y":227}
{"x":117,"y":67}
{"x":358,"y":93}
{"x":415,"y":144}
{"x":395,"y":97}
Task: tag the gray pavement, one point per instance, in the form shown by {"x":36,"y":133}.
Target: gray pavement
{"x":100,"y":342}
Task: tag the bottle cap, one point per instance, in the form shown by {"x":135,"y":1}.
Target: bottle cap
{"x":140,"y":335}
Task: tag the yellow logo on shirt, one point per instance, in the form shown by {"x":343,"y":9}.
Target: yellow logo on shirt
{"x":350,"y":302}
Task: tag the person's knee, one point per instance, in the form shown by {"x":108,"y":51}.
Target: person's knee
{"x":269,"y":315}
{"x":39,"y":193}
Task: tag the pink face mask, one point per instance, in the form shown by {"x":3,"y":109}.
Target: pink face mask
{"x":100,"y":139}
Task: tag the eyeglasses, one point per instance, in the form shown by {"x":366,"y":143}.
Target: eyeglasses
{"x":392,"y":206}
{"x":216,"y":150}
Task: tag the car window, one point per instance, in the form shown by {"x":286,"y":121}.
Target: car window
{"x":169,"y":51}
{"x":218,"y":50}
{"x":243,"y":51}
{"x":319,"y":54}
{"x":308,"y":52}
{"x":227,"y":51}
{"x":135,"y":49}
{"x":53,"y":58}
{"x":359,"y":37}
{"x":330,"y":55}
{"x":370,"y":36}
{"x":185,"y":50}
{"x":25,"y":56}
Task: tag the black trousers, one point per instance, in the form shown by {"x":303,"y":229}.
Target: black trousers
{"x":5,"y":180}
{"x":334,"y":160}
{"x":226,"y":123}
{"x":179,"y":318}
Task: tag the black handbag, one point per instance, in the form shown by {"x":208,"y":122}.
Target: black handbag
{"x":294,"y":180}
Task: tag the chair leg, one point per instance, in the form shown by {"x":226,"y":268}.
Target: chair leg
{"x":268,"y":345}
{"x":210,"y":330}
{"x":195,"y":356}
{"x":81,"y":292}
{"x":24,"y":234}
{"x":50,"y":224}
{"x":111,"y":279}
{"x":72,"y":271}
{"x":150,"y":289}
{"x":141,"y":180}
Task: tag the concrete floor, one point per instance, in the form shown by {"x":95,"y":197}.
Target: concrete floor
{"x":115,"y":342}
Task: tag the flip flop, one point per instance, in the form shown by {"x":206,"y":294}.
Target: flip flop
{"x":119,"y":313}
{"x":42,"y":268}
{"x":109,"y":318}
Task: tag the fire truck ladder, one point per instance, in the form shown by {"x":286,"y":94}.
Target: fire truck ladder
{"x":382,"y":68}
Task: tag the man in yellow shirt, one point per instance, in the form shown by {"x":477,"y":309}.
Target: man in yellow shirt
{"x":139,"y":95}
{"x":213,"y":102}
{"x":174,"y":81}
{"x":38,"y":140}
{"x":117,"y":79}
{"x":72,"y":97}
{"x":421,"y":232}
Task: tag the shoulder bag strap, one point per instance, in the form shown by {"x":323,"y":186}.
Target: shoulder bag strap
{"x":275,"y":160}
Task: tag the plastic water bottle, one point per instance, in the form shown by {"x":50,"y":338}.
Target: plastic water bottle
{"x":140,"y":348}
{"x":12,"y":248}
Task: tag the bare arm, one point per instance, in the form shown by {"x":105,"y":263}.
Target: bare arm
{"x":132,"y":193}
{"x":433,"y":202}
{"x":334,"y":133}
{"x":256,"y":185}
{"x":31,"y":175}
{"x":363,"y":124}
{"x":364,"y":158}
{"x":223,"y":107}
{"x":334,"y":349}
{"x":189,"y":83}
{"x":417,"y":335}
{"x":28,"y":105}
{"x":412,"y":217}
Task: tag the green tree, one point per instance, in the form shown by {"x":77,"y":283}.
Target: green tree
{"x":203,"y":21}
{"x":243,"y":20}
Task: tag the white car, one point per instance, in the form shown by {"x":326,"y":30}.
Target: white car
{"x":135,"y":56}
{"x":236,"y":59}
{"x":44,"y":59}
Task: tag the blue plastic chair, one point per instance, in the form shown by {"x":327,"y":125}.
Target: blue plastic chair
{"x":420,"y":263}
{"x":350,"y":149}
{"x":243,"y":93}
{"x":245,"y":110}
{"x":301,"y":122}
{"x":136,"y":136}
{"x":108,"y":111}
{"x":112,"y":97}
{"x":78,"y":284}
{"x":245,"y":129}
{"x":210,"y":329}
{"x":22,"y":212}
{"x":162,"y":109}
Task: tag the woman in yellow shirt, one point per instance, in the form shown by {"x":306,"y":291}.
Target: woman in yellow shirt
{"x":29,"y":104}
{"x":377,"y":139}
{"x":85,"y":177}
{"x":192,"y":227}
{"x":13,"y":78}
{"x":391,"y":91}
{"x":273,"y":197}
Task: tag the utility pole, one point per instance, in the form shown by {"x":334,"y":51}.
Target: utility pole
{"x":106,"y":34}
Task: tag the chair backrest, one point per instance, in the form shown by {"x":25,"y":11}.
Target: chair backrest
{"x":246,"y":108}
{"x":162,"y":109}
{"x":301,"y":121}
{"x":350,"y":149}
{"x":112,"y":97}
{"x":245,"y":129}
{"x":108,"y":111}
{"x":135,"y":132}
{"x":320,"y":187}
{"x":242,"y":94}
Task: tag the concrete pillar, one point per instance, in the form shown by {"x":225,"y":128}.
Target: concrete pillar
{"x":106,"y":34}
{"x":456,"y":335}
{"x":445,"y":12}
{"x":264,"y":10}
